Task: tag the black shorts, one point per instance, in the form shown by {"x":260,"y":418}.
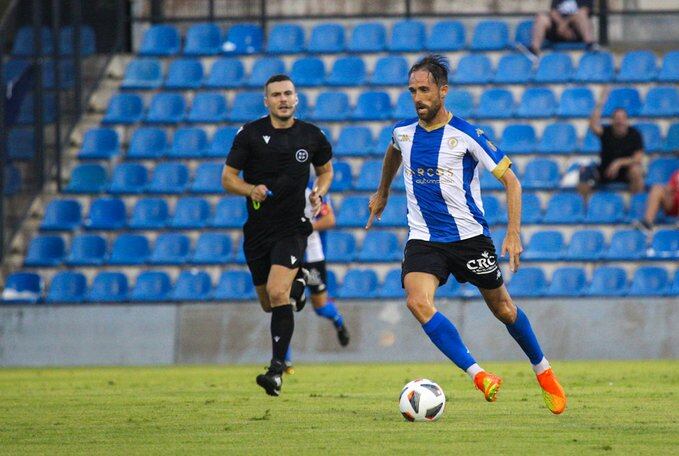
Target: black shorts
{"x":288,"y":252}
{"x":318,"y":277}
{"x":553,"y":34}
{"x":471,"y":260}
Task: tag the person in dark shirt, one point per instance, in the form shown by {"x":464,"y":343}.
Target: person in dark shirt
{"x":567,"y":20}
{"x":274,"y":154}
{"x":622,"y":153}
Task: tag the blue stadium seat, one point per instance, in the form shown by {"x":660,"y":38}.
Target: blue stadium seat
{"x":674,"y":291}
{"x":390,"y":70}
{"x":190,"y":213}
{"x":168,"y":178}
{"x":660,"y":170}
{"x":149,"y":214}
{"x":608,"y":281}
{"x":124,"y":108}
{"x":528,"y":282}
{"x":87,"y":178}
{"x":221,"y":143}
{"x":13,"y":180}
{"x":650,"y":132}
{"x":638,"y":66}
{"x":531,"y":210}
{"x":184,"y":73}
{"x":379,"y":246}
{"x":207,"y":107}
{"x":188,"y":142}
{"x":566,"y":208}
{"x":665,"y":245}
{"x":407,"y":36}
{"x":151,"y":286}
{"x":263,"y":69}
{"x":576,"y":102}
{"x":341,"y":247}
{"x":234,"y":286}
{"x":129,"y":249}
{"x":61,"y":215}
{"x":490,"y":182}
{"x":347,"y":71}
{"x":451,"y":289}
{"x":354,"y":212}
{"x":637,"y":207}
{"x":243,"y":39}
{"x":672,"y":140}
{"x":498,"y":236}
{"x":203,"y":39}
{"x":147,"y":143}
{"x":308,"y":72}
{"x":326,"y":38}
{"x":141,"y":74}
{"x":166,"y":108}
{"x":86,"y":250}
{"x":622,"y":97}
{"x":446,"y":36}
{"x":285,"y":39}
{"x":391,"y":287}
{"x":191,"y":286}
{"x":45,"y":250}
{"x":230,"y":212}
{"x":26,"y":110}
{"x":513,"y":69}
{"x":537,"y":102}
{"x":226,"y":73}
{"x":106,"y":214}
{"x":24,"y":41}
{"x":302,"y":108}
{"x":545,"y":246}
{"x":21,"y":144}
{"x":331,"y":106}
{"x":494,"y":211}
{"x":558,"y":138}
{"x":383,"y":139}
{"x":670,"y":67}
{"x":473,"y":69}
{"x":626,"y":245}
{"x":162,"y":40}
{"x":649,"y":281}
{"x":404,"y":109}
{"x":99,"y":143}
{"x":208,"y":178}
{"x":586,"y":245}
{"x":22,"y":287}
{"x":88,"y":45}
{"x":495,"y":104}
{"x":458,"y":101}
{"x":108,"y":287}
{"x":367,"y":37}
{"x":368,"y":178}
{"x":556,"y":67}
{"x":595,"y":67}
{"x":67,"y":287}
{"x":247,"y":106}
{"x":541,"y":173}
{"x":490,"y":36}
{"x":519,"y":139}
{"x":605,"y":208}
{"x":395,"y":214}
{"x":341,"y":178}
{"x":170,"y":248}
{"x":212,"y":248}
{"x":372,"y":106}
{"x":358,"y":284}
{"x":129,"y":178}
{"x":591,"y":143}
{"x":354,"y":141}
{"x":661,"y":102}
{"x":567,"y":281}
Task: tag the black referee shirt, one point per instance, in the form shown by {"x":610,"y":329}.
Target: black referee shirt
{"x":279,"y":159}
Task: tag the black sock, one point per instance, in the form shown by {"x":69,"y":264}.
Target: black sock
{"x":282,"y":326}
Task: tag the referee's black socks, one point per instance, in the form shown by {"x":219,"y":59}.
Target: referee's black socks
{"x":282,"y":326}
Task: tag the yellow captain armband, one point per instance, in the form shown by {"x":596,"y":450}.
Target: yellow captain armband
{"x":502,"y":167}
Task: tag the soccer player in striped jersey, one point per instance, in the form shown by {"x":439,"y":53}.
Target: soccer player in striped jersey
{"x":441,"y":156}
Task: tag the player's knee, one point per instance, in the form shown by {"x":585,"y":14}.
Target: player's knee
{"x":277,"y":293}
{"x":418,"y":304}
{"x":505,"y":310}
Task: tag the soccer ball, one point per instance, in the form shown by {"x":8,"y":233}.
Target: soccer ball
{"x":422,"y":400}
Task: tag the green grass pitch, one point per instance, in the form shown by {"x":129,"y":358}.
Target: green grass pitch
{"x":614,"y":407}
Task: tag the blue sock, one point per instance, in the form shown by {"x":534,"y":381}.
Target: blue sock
{"x":330,"y":312}
{"x":522,"y":333}
{"x":445,"y":336}
{"x":288,"y":355}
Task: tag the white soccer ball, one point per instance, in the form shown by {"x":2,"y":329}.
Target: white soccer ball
{"x":422,"y":400}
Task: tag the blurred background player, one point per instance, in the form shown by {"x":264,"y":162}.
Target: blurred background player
{"x":567,"y":20}
{"x":314,"y":264}
{"x":665,"y":196}
{"x":441,"y":156}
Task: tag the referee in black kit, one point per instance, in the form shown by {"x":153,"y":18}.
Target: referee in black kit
{"x":274,"y":153}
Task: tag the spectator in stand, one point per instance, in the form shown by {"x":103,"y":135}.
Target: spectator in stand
{"x":665,"y":196}
{"x":567,"y":20}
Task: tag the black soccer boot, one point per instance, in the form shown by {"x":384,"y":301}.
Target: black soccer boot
{"x":343,"y":335}
{"x":272,"y":380}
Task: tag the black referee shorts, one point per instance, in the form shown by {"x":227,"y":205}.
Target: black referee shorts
{"x":287,"y":252}
{"x":472,"y":260}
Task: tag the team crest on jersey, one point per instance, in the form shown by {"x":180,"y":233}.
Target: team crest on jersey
{"x":452,"y":142}
{"x":404,"y":138}
{"x":301,"y":155}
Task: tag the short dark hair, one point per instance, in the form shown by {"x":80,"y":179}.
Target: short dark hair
{"x":436,"y":64}
{"x":277,"y":78}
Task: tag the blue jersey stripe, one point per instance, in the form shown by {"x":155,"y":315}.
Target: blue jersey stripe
{"x":468,"y":167}
{"x":424,"y":156}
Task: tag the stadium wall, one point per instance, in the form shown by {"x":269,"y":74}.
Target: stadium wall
{"x":381,"y":332}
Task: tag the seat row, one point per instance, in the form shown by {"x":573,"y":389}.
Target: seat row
{"x":24,"y":41}
{"x":229,"y":73}
{"x":195,"y":285}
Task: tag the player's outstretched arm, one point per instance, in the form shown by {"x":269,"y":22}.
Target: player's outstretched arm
{"x":232,"y":183}
{"x":512,"y":242}
{"x":378,"y":201}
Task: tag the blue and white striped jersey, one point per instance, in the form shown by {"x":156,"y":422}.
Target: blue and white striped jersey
{"x":441,"y":173}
